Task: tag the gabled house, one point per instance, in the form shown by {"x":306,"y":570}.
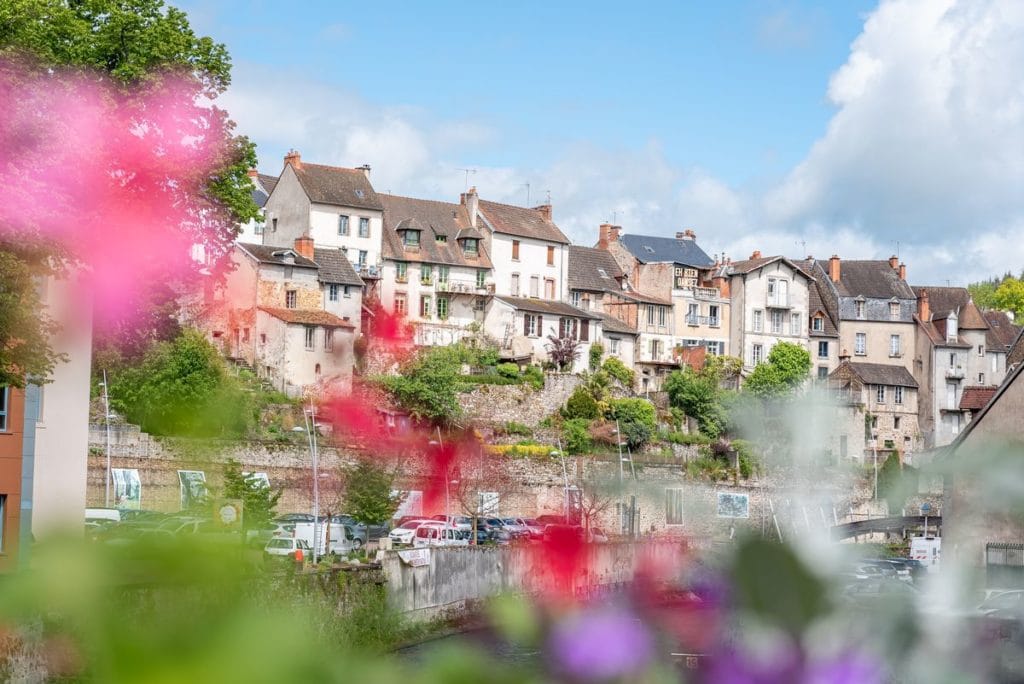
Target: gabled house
{"x":595,"y":280}
{"x":436,"y":268}
{"x":951,"y":354}
{"x":654,"y":320}
{"x":1002,"y":334}
{"x":292,"y":314}
{"x":335,"y":206}
{"x":524,"y":325}
{"x":770,"y":301}
{"x":822,"y":322}
{"x":262,"y":185}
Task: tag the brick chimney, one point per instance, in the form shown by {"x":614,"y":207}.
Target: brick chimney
{"x":844,"y":355}
{"x":293,"y":158}
{"x":545,"y":211}
{"x":834,"y":269}
{"x":304,"y":246}
{"x":924,"y":309}
{"x":252,"y":173}
{"x":471,"y":201}
{"x":365,"y":168}
{"x":604,"y":235}
{"x":756,"y":254}
{"x":894,"y":261}
{"x":903,"y":272}
{"x":686,"y":235}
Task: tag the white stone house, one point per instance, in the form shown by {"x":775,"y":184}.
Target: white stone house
{"x":262,"y":185}
{"x":436,"y":268}
{"x":523,"y":327}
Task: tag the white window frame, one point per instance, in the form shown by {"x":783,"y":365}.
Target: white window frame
{"x":818,"y":323}
{"x":342,"y":224}
{"x":291,"y":299}
{"x":897,"y":394}
{"x":401,"y":303}
{"x":895,"y":345}
{"x":328,"y":339}
{"x":879,"y":394}
{"x":364,"y":227}
{"x":758,"y":320}
{"x":776,"y":321}
{"x":531,"y":325}
{"x":894,"y":311}
{"x":5,"y":407}
{"x":858,"y":307}
{"x":756,"y":354}
{"x":515,"y":285}
{"x":822,"y":345}
{"x":310,"y":337}
{"x":332,"y":292}
{"x":574,"y":298}
{"x":860,"y":344}
{"x":613,"y":345}
{"x":795,"y":319}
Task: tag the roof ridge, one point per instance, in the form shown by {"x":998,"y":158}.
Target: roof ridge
{"x":516,"y":206}
{"x":418,"y":199}
{"x":329,"y":166}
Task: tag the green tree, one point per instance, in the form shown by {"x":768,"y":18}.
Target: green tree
{"x":618,"y":370}
{"x":636,"y":420}
{"x":785,"y":370}
{"x":25,"y":329}
{"x":983,"y":291}
{"x":698,"y":395}
{"x":596,"y":352}
{"x":369,"y":497}
{"x":258,"y":500}
{"x":577,"y":436}
{"x":182,"y":388}
{"x":428,"y":385}
{"x":1009,"y":296}
{"x":581,"y":404}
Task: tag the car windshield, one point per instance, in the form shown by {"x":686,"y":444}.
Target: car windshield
{"x":412,"y":524}
{"x":279,"y":544}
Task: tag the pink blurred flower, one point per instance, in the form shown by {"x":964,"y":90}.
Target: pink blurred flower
{"x":601,"y":645}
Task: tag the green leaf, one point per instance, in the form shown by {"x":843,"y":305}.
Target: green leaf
{"x":772,"y":583}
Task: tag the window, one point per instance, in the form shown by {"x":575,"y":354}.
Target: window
{"x":713,"y":319}
{"x":895,"y":345}
{"x":424,"y":307}
{"x":981,"y":378}
{"x":442,"y":275}
{"x":328,"y":339}
{"x":650,"y":314}
{"x":894,"y":311}
{"x":411,"y":238}
{"x":531,"y":325}
{"x":481,"y":278}
{"x":259,"y":226}
{"x":880,"y":394}
{"x":859,"y":306}
{"x":897,"y":395}
{"x":613,"y":345}
{"x":822,"y":372}
{"x":362,"y":258}
{"x":273,"y":225}
{"x":245,"y":334}
{"x":310,"y":337}
{"x":551,"y":256}
{"x":441,"y":239}
{"x":401,"y":272}
{"x":442,"y":308}
{"x":5,"y":393}
{"x":673,"y":506}
{"x":364,"y":228}
{"x":515,"y":285}
{"x":471,"y":246}
{"x":693,"y":314}
{"x":758,"y":320}
{"x":401,"y":306}
{"x":662,"y":313}
{"x":817,"y":324}
{"x":655,"y":349}
{"x":874,"y":422}
{"x":772,"y":289}
{"x":952,"y":360}
{"x":342,"y":224}
{"x":715,"y":348}
{"x":860,"y":344}
{"x":534,"y":286}
{"x":515,"y":250}
{"x":756,"y":354}
{"x":332,"y":293}
{"x":549,"y":288}
{"x":822,"y":350}
{"x":346,"y":292}
{"x":290,"y":299}
{"x":426,"y":274}
{"x":896,"y":423}
{"x":981,"y":350}
{"x":316,"y":371}
{"x":263,"y":338}
{"x":794,"y":324}
{"x":574,"y":298}
{"x":776,"y":318}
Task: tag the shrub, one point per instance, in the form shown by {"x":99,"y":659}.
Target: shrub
{"x":596,"y":352}
{"x":514,"y":428}
{"x":686,"y":439}
{"x":519,"y":450}
{"x":580,"y":405}
{"x":508,"y":370}
{"x":577,"y":437}
{"x":619,"y":371}
{"x":636,"y":420}
{"x":488,"y":357}
{"x":534,"y":376}
{"x":485,"y":379}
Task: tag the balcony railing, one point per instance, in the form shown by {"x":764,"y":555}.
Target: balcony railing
{"x":706,"y":293}
{"x":956,"y":373}
{"x":778,"y":301}
{"x":401,"y":278}
{"x":710,"y":321}
{"x":455,"y":286}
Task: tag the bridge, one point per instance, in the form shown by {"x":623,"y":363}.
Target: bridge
{"x":895,"y":524}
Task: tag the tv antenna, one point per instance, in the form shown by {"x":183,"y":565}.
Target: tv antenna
{"x":548,"y":200}
{"x":803,"y":248}
{"x":527,"y":186}
{"x":897,"y":248}
{"x":468,"y":171}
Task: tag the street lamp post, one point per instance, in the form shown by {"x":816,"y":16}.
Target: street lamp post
{"x":310,"y":417}
{"x":106,"y":424}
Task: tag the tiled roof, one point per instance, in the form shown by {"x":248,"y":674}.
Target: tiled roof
{"x":268,"y":254}
{"x":545,"y":306}
{"x":652,"y":249}
{"x":612,"y":324}
{"x":882,"y":374}
{"x":819,"y":298}
{"x":1016,"y":354}
{"x":1002,"y":333}
{"x":944,"y":300}
{"x":591,"y":269}
{"x":335,"y":267}
{"x":634,"y":296}
{"x":975,"y":398}
{"x":307,"y":317}
{"x":433,"y":219}
{"x":520,"y":221}
{"x":875,"y":279}
{"x":336,"y":185}
{"x":749,"y":265}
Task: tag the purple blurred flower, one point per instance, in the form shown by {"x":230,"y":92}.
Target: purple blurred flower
{"x":786,"y":666}
{"x":601,"y":645}
{"x":849,"y":668}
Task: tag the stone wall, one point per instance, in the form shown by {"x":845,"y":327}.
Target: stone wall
{"x":498,"y":404}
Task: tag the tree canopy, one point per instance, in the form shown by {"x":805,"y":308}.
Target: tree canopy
{"x":1009,"y":296}
{"x":258,"y":500}
{"x":369,"y":497}
{"x":783,"y":372}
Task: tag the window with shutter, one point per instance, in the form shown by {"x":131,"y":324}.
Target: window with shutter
{"x":526,"y":324}
{"x":585,"y":331}
{"x":540,"y":326}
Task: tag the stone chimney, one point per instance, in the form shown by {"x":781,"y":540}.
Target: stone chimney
{"x":252,"y":173}
{"x":903,"y":272}
{"x":471,"y":201}
{"x":924,"y":309}
{"x":304,"y":246}
{"x":686,"y":235}
{"x":834,"y":269}
{"x":293,"y":158}
{"x":894,"y":261}
{"x":365,"y":168}
{"x":756,"y":254}
{"x":545,"y":211}
{"x":844,"y":355}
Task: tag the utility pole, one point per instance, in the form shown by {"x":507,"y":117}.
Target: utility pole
{"x":310,"y":416}
{"x":106,"y":423}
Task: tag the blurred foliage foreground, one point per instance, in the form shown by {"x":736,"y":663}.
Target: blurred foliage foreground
{"x":179,"y":610}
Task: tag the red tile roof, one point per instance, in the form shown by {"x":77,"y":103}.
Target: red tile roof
{"x":520,"y":221}
{"x":307,"y":317}
{"x":975,"y":398}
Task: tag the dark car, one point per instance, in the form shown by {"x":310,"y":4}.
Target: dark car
{"x":294,"y":518}
{"x":362,"y":532}
{"x":560,"y":534}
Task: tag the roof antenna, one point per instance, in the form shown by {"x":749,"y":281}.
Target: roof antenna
{"x":548,"y":201}
{"x":803,"y":248}
{"x":468,"y":171}
{"x":527,"y":185}
{"x":615,"y":217}
{"x":897,"y":249}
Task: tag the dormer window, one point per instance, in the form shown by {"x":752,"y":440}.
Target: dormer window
{"x":441,"y":239}
{"x":471,"y":246}
{"x":411,"y":239}
{"x":817,"y":324}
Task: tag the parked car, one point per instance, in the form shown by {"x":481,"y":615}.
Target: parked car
{"x":557,"y":534}
{"x":461,"y":522}
{"x":294,"y":518}
{"x":285,"y":546}
{"x":362,"y":531}
{"x":438,"y":534}
{"x":260,"y":536}
{"x":105,"y":514}
{"x":534,"y":528}
{"x":596,"y":535}
{"x":403,"y":534}
{"x":547,"y":519}
{"x":517,"y":527}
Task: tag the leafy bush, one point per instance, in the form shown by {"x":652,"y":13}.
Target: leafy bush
{"x":563,"y":351}
{"x":636,"y":419}
{"x":596,"y":352}
{"x":618,"y":370}
{"x":534,"y":376}
{"x":686,"y":439}
{"x":508,"y":370}
{"x":581,"y":404}
{"x":748,"y":461}
{"x":786,"y":369}
{"x":712,"y":468}
{"x":577,"y":438}
{"x":697,"y":394}
{"x":488,"y":357}
{"x":514,"y":428}
{"x":428,"y":384}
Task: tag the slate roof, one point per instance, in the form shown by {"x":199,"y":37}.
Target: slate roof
{"x":649,"y":249}
{"x":612,"y":324}
{"x":1002,"y":333}
{"x":545,"y":306}
{"x":511,"y":220}
{"x":307,"y":317}
{"x":634,"y":296}
{"x":268,"y":254}
{"x":585,"y":266}
{"x":820,"y":299}
{"x":262,"y":188}
{"x":749,"y":265}
{"x":874,"y":279}
{"x":432,"y":219}
{"x":338,"y":186}
{"x":944,"y":300}
{"x":975,"y":398}
{"x":882,"y":374}
{"x":267,"y":181}
{"x":335,"y":268}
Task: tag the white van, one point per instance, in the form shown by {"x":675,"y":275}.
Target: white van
{"x":103,"y":514}
{"x":928,"y":550}
{"x":340,"y":543}
{"x":438,"y":534}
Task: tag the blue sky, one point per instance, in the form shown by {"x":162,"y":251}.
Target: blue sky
{"x":787,"y":127}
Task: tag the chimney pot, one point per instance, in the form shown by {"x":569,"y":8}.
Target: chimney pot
{"x":756,"y":254}
{"x":894,"y":261}
{"x":688,"y":234}
{"x":304,"y":246}
{"x":679,"y":235}
{"x":365,"y":168}
{"x":924,"y":309}
{"x":834,"y":268}
{"x":252,"y":173}
{"x":603,"y":235}
{"x":545,"y":210}
{"x":293,"y":158}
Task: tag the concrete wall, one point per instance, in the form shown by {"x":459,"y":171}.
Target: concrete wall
{"x":290,"y":205}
